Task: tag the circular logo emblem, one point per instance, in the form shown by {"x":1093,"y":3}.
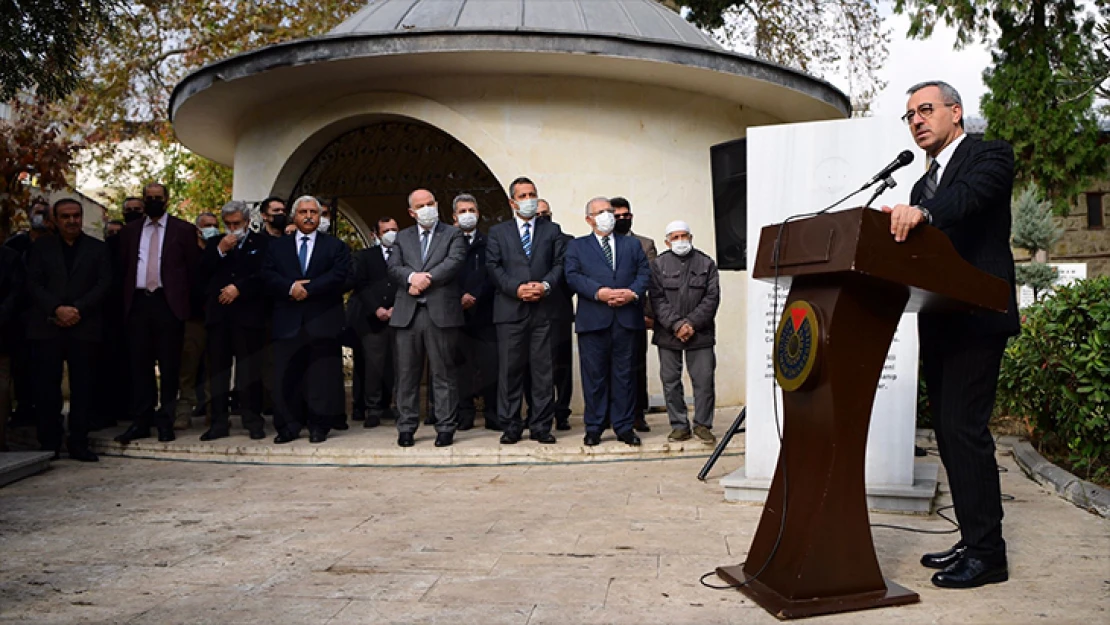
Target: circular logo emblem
{"x":796,"y":345}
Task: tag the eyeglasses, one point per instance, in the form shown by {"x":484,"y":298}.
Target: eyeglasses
{"x":926,"y":111}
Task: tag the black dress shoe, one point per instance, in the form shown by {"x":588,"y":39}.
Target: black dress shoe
{"x":257,"y":434}
{"x":83,"y":455}
{"x":591,"y":439}
{"x":358,"y":416}
{"x":547,"y":438}
{"x":562,"y":425}
{"x":919,"y":452}
{"x":943,"y":559}
{"x":200,"y":411}
{"x":445,"y":439}
{"x":641,"y":425}
{"x":629,"y":438}
{"x":972,"y":572}
{"x":214,"y":433}
{"x":166,"y":435}
{"x":318,"y":436}
{"x":372,"y":421}
{"x":510,"y":438}
{"x":285,"y":437}
{"x":405,"y":439}
{"x":340,"y":425}
{"x":133,"y":433}
{"x":465,"y":423}
{"x":493,"y":424}
{"x":430,"y":420}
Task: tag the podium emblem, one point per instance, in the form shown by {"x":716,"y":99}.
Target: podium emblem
{"x":796,"y":345}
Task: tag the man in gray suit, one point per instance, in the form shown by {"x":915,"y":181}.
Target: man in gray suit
{"x":525,"y":260}
{"x":427,"y":315}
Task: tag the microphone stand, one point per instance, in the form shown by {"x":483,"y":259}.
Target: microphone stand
{"x":733,"y":430}
{"x":888,"y":183}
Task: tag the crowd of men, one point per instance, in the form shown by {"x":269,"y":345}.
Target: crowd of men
{"x":163,"y":318}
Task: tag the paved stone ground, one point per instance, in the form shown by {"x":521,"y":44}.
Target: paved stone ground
{"x":142,"y":541}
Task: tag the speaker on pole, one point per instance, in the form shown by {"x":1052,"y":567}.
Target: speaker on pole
{"x":729,"y":168}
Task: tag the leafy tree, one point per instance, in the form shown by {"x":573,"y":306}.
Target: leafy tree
{"x":822,"y":37}
{"x":42,"y":42}
{"x":1054,"y":131}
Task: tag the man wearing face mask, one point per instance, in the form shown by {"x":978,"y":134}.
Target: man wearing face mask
{"x":160,"y":256}
{"x":562,"y":339}
{"x":478,"y":339}
{"x":525,"y":260}
{"x":685,"y":294}
{"x":234,"y":306}
{"x":274,"y":218}
{"x":306,"y":276}
{"x":610,"y":274}
{"x":38,"y":216}
{"x":622,"y":210}
{"x":193,"y":399}
{"x":424,"y":262}
{"x":375,"y":292}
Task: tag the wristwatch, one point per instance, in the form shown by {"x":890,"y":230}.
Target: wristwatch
{"x":926,"y":214}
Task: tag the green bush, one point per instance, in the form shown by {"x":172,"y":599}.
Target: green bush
{"x":1056,"y":374}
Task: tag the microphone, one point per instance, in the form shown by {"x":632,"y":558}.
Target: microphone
{"x":905,"y":158}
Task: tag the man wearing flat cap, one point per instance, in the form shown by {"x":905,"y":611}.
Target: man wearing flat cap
{"x":685,"y":293}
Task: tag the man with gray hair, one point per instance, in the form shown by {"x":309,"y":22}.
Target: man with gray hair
{"x":234,"y":311}
{"x":685,"y":294}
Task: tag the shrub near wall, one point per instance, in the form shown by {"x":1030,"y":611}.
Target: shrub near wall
{"x":1056,"y":375}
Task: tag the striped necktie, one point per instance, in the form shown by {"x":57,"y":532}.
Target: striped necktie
{"x":931,"y":181}
{"x":526,"y":239}
{"x":608,"y":251}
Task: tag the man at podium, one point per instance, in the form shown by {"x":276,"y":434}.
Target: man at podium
{"x":966,"y":194}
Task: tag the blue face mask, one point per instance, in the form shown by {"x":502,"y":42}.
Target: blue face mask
{"x":209,"y":232}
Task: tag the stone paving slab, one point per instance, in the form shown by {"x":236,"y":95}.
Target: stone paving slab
{"x":139,"y":541}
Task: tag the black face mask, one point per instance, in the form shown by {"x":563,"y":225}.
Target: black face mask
{"x":544,"y":218}
{"x":279,"y":221}
{"x":154,"y":207}
{"x":623,"y":225}
{"x":131,"y":216}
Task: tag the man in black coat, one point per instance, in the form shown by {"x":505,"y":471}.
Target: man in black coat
{"x":525,"y":259}
{"x":306,"y":275}
{"x":39,"y":216}
{"x":562,"y":339}
{"x":68,"y":278}
{"x":234,"y":308}
{"x":478,"y":340}
{"x":11,"y":285}
{"x":373,"y":300}
{"x":966,"y":194}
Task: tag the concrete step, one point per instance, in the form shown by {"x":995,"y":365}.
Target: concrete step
{"x":16,"y":465}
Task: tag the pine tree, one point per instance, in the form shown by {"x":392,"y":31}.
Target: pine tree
{"x":1034,"y":231}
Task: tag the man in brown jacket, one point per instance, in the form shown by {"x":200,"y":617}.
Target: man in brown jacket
{"x":685,"y":293}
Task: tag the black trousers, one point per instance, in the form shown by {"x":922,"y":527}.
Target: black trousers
{"x":50,"y":355}
{"x":155,"y":335}
{"x":308,"y":383}
{"x":228,"y":343}
{"x":562,"y":333}
{"x":22,"y":382}
{"x":378,"y":372}
{"x":961,"y":377}
{"x":113,"y":377}
{"x":639,"y":374}
{"x":524,"y":347}
{"x":477,"y":370}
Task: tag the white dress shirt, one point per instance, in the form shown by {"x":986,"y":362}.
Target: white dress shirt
{"x":945,"y":156}
{"x":520,"y":227}
{"x":144,"y":247}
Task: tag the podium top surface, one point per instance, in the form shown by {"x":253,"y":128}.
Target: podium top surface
{"x":857,"y":244}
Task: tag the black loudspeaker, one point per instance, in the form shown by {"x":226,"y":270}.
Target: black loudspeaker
{"x":729,"y":167}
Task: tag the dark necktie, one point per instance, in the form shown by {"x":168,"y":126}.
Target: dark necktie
{"x":608,"y":251}
{"x":424,"y":245}
{"x":304,"y":254}
{"x":930,"y":188}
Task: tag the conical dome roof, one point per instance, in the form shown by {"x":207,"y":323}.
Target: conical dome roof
{"x":638,"y":19}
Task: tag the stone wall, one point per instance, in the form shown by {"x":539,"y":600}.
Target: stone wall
{"x":1080,"y":244}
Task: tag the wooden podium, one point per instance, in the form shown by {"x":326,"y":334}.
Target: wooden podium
{"x":849,"y":285}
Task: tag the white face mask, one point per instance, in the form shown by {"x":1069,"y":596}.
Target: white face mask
{"x":209,"y":232}
{"x":605,"y":222}
{"x":325,"y":223}
{"x":681,"y":247}
{"x":468,"y":221}
{"x":427,"y":216}
{"x":239,"y":234}
{"x":527,"y":208}
{"x":389,"y":238}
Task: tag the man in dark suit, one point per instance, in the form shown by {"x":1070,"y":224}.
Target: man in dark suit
{"x":234,"y":308}
{"x":68,"y":278}
{"x":374,"y":294}
{"x":525,"y":260}
{"x":160,"y":256}
{"x":478,"y":340}
{"x":562,"y":338}
{"x":39,"y":216}
{"x":11,"y":285}
{"x":427,"y":314}
{"x":306,"y":275}
{"x":966,"y":194}
{"x":622,"y":210}
{"x":610,"y":274}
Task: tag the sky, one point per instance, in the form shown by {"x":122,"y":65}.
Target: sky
{"x":912,"y":61}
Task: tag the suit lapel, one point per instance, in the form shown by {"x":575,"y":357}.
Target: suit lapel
{"x":596,"y":245}
{"x":317,"y":251}
{"x":954,"y":163}
{"x":437,"y":236}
